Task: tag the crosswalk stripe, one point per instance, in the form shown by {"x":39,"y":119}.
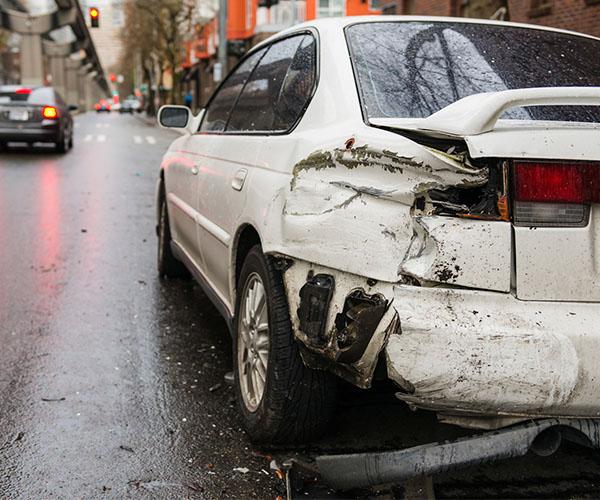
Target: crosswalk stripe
{"x":150,"y":139}
{"x":137,"y":139}
{"x":87,"y":138}
{"x":101,"y":138}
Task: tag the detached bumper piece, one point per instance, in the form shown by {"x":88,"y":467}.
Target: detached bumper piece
{"x":543,"y":437}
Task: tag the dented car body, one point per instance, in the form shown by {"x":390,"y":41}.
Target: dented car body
{"x":449,"y":238}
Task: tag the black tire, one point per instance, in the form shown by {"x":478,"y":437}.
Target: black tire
{"x":62,"y":144}
{"x":297,"y":402}
{"x":167,"y":263}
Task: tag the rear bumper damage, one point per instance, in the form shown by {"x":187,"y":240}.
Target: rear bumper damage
{"x":479,"y":359}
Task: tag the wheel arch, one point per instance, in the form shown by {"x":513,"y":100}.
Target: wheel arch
{"x":158,"y":196}
{"x":245,"y":238}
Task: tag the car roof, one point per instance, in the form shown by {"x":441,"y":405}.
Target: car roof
{"x":13,"y":88}
{"x":339,"y":23}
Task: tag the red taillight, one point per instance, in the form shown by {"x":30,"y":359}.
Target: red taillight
{"x":23,"y":91}
{"x":50,"y":112}
{"x":557,"y":182}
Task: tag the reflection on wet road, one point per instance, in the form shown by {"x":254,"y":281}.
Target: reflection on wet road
{"x":111,"y":382}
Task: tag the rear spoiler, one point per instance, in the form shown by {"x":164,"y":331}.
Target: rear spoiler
{"x":479,"y":113}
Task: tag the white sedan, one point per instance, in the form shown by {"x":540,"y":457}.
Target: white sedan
{"x":401,"y":197}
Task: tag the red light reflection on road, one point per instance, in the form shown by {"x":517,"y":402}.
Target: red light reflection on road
{"x":47,"y":232}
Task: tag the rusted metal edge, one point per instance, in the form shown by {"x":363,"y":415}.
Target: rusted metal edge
{"x":344,"y":472}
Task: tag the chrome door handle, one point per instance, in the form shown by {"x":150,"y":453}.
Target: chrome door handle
{"x":194,"y":171}
{"x":237,"y":182}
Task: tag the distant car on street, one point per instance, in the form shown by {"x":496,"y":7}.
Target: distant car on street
{"x":102,"y":106}
{"x":130,"y":105}
{"x":35,"y":114}
{"x":416,"y":199}
{"x":135,"y":104}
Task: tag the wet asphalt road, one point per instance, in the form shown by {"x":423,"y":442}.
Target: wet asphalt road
{"x":111,"y":382}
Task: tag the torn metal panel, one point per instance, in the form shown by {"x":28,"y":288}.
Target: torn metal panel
{"x":344,"y":472}
{"x":470,"y":253}
{"x":351,"y":348}
{"x":360,"y":201}
{"x":322,"y":222}
{"x":485,"y":353}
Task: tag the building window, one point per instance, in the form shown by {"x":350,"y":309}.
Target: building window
{"x":331,"y":8}
{"x":118,"y":16}
{"x":592,"y":2}
{"x":540,"y":8}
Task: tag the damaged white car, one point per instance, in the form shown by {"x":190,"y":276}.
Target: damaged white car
{"x":413,"y":197}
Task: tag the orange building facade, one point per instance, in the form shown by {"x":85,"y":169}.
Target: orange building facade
{"x":331,"y":8}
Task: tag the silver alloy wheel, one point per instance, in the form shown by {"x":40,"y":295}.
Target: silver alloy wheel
{"x":253,"y":342}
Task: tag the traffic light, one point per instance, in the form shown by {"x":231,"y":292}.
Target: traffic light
{"x":94,"y":17}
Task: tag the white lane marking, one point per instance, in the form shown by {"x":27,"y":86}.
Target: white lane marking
{"x":101,"y":138}
{"x":98,"y":125}
{"x":137,"y":139}
{"x":106,"y":125}
{"x":150,"y":139}
{"x":87,"y":138}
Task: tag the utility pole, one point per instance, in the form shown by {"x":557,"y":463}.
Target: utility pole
{"x":222,"y":53}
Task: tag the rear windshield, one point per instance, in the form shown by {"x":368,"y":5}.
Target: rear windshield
{"x":43,"y":95}
{"x":413,"y":69}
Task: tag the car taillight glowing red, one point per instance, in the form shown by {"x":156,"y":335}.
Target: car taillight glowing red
{"x":557,"y":182}
{"x":50,"y":112}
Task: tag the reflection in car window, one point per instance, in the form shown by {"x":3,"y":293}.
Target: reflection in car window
{"x":219,"y":108}
{"x":279,"y":88}
{"x":42,"y":95}
{"x":415,"y":69}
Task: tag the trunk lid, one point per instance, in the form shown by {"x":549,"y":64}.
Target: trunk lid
{"x":551,"y":262}
{"x":20,"y":113}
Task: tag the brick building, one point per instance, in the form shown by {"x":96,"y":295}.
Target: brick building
{"x":576,"y":15}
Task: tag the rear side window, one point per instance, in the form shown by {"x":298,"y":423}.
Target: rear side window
{"x":413,"y":69}
{"x":220,"y":106}
{"x":278,"y":90}
{"x":43,"y":95}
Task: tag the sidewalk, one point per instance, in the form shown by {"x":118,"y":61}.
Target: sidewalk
{"x":148,"y":120}
{"x":152,"y":122}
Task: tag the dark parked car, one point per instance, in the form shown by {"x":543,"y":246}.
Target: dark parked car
{"x":35,"y":115}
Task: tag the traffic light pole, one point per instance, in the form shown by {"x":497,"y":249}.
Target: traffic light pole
{"x":222,"y":50}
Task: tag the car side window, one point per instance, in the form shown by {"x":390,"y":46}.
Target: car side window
{"x":219,"y":108}
{"x":59,"y":99}
{"x":279,"y":88}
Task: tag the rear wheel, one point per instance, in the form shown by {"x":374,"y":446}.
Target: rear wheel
{"x":168,"y":265}
{"x":62,"y":144}
{"x":281,"y":400}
